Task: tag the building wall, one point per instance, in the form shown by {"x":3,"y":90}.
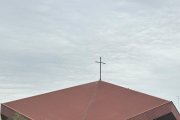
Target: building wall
{"x":5,"y":111}
{"x":168,"y":116}
{"x":3,"y":117}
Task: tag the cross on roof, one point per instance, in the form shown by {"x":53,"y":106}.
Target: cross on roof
{"x":100,"y":62}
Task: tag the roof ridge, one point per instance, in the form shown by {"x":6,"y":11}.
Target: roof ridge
{"x":91,"y":100}
{"x":136,"y":91}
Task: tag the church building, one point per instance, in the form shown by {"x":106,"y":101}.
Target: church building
{"x":92,"y":101}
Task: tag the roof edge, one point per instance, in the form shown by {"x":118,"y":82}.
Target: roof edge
{"x":51,"y":92}
{"x":18,"y":112}
{"x":137,"y":91}
{"x":169,"y":102}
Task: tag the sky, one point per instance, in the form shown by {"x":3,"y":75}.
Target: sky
{"x":48,"y":45}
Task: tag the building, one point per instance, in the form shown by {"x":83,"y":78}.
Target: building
{"x":93,"y":101}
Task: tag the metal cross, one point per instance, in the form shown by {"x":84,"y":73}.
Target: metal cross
{"x":100,"y":66}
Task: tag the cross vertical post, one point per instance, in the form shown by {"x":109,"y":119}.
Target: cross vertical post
{"x":100,"y":68}
{"x":100,"y":62}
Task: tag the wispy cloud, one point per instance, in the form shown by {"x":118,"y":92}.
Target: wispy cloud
{"x":50,"y":44}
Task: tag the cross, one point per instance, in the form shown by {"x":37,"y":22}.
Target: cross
{"x":100,"y":66}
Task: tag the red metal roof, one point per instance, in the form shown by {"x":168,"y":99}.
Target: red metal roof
{"x":93,"y":101}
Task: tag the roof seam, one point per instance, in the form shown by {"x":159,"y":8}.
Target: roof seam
{"x":91,"y":101}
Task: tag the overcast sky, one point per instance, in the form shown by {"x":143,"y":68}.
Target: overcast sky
{"x":48,"y":45}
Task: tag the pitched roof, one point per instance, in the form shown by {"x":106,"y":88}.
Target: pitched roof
{"x":93,"y":101}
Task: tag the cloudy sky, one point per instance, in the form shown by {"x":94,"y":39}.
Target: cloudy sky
{"x":48,"y":45}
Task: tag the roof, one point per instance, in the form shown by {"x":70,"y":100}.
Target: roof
{"x":93,"y":101}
